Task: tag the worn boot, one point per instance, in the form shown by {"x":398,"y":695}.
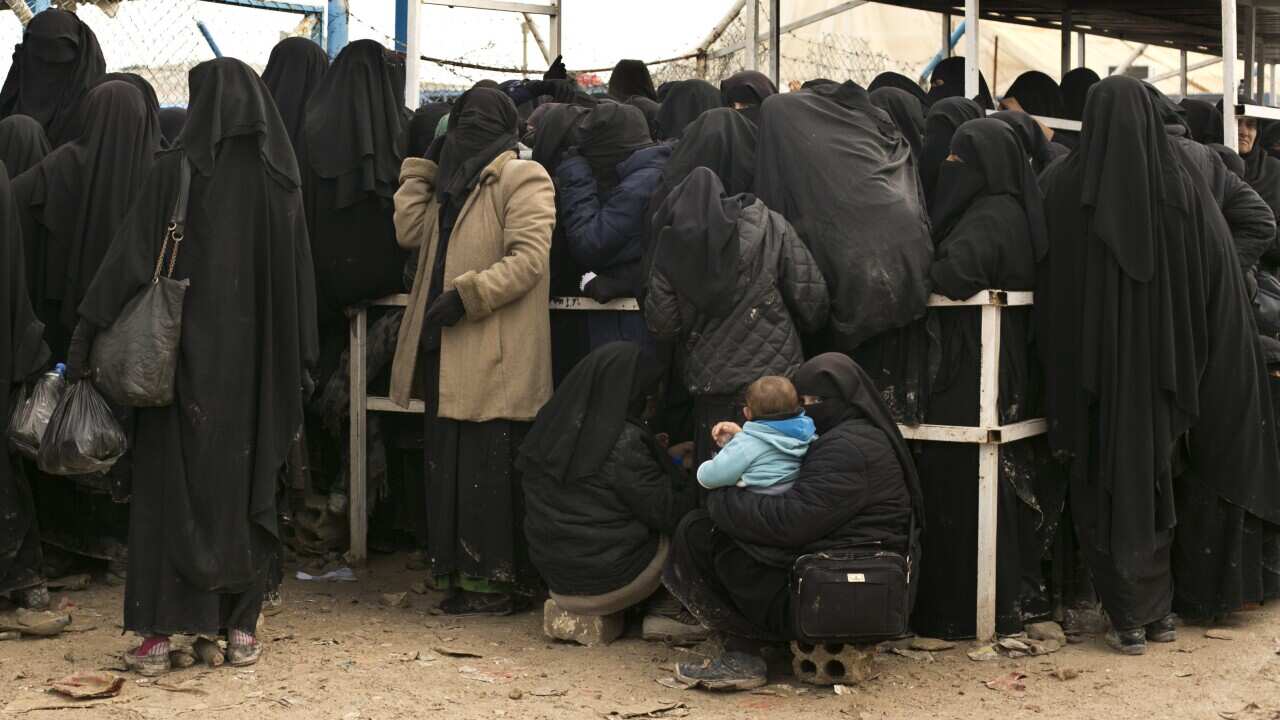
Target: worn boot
{"x":731,"y":671}
{"x":666,"y":620}
{"x":1128,"y":642}
{"x":1162,"y":630}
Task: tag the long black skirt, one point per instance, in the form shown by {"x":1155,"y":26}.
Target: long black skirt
{"x":1217,"y":552}
{"x":20,"y":555}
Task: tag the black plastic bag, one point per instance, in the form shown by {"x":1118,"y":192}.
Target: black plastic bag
{"x":83,"y":436}
{"x":31,"y":414}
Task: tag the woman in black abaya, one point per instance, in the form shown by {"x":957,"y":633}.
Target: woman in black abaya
{"x":1204,"y":120}
{"x":944,"y":117}
{"x":172,"y":120}
{"x":1039,"y":148}
{"x":947,"y":81}
{"x":1034,"y":93}
{"x":629,"y":79}
{"x":295,"y":69}
{"x":23,"y":354}
{"x":685,"y":102}
{"x":745,"y":91}
{"x":988,"y":223}
{"x":1132,"y":402}
{"x":203,"y":514}
{"x":907,"y":113}
{"x":56,"y":64}
{"x":22,"y":144}
{"x":1261,"y":171}
{"x":1075,"y":91}
{"x":899,"y":81}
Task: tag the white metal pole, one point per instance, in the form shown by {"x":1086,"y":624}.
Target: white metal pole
{"x":1080,"y":42}
{"x":946,"y":35}
{"x":1066,"y":43}
{"x":1272,"y":100}
{"x":971,"y":57}
{"x":752,"y":9}
{"x":1250,"y":42}
{"x":988,"y":473}
{"x":775,"y":42}
{"x":357,"y":502}
{"x":555,"y":51}
{"x":1182,"y":73}
{"x":411,"y":52}
{"x":1229,"y":90}
{"x":1261,"y":87}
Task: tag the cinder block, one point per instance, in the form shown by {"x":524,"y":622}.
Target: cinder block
{"x":589,"y":630}
{"x":831,"y":663}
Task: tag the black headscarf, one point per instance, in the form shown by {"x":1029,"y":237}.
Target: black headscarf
{"x":609,"y":135}
{"x":750,"y":87}
{"x":355,"y":125}
{"x":630,"y":78}
{"x":685,"y":101}
{"x":1037,"y":93}
{"x":951,"y":74}
{"x":172,"y":120}
{"x":1075,"y":91}
{"x":900,"y":81}
{"x":295,"y":69}
{"x":697,"y":248}
{"x":817,"y":81}
{"x":557,"y":130}
{"x":579,"y":426}
{"x":482,"y":125}
{"x":1262,"y":172}
{"x":650,"y":108}
{"x":848,"y":394}
{"x":22,"y":144}
{"x":1204,"y":120}
{"x":907,"y":113}
{"x":422,"y":128}
{"x":58,"y":61}
{"x":1038,"y":147}
{"x":1230,"y":158}
{"x":945,"y":116}
{"x":134,"y":79}
{"x":1269,"y":137}
{"x":992,"y":162}
{"x":82,"y":191}
{"x":252,"y":299}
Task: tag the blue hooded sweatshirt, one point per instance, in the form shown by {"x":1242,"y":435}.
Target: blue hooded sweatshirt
{"x":764,"y":457}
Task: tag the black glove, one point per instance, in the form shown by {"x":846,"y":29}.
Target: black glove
{"x":446,"y":311}
{"x":557,"y":71}
{"x":603,"y":289}
{"x":78,"y":351}
{"x":561,"y":91}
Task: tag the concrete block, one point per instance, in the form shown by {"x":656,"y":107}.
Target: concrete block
{"x":831,"y":663}
{"x":589,"y":630}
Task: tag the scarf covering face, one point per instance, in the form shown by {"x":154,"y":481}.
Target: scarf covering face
{"x":650,"y":110}
{"x":295,"y":69}
{"x":557,"y":130}
{"x":56,"y":64}
{"x":172,"y":120}
{"x":630,"y":78}
{"x":482,"y":125}
{"x":902,"y":82}
{"x":907,"y":113}
{"x":1037,"y":93}
{"x":355,"y":124}
{"x":22,"y":144}
{"x":234,"y":102}
{"x":746,"y":86}
{"x":698,"y":244}
{"x":1034,"y":143}
{"x":1075,"y":91}
{"x":685,"y":102}
{"x":847,"y":394}
{"x":576,"y":430}
{"x":609,"y":135}
{"x":1204,"y":120}
{"x":422,"y":128}
{"x":990,"y":149}
{"x":944,"y":118}
{"x":951,"y":73}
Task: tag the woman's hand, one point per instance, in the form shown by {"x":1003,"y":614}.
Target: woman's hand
{"x":683,"y":454}
{"x":446,"y":311}
{"x":723,"y":432}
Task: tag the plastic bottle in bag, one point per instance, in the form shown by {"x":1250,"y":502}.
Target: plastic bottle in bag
{"x":31,"y":416}
{"x":83,"y":436}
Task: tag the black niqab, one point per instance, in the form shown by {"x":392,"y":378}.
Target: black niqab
{"x":557,"y":130}
{"x":907,"y":113}
{"x":609,"y":135}
{"x":900,"y":81}
{"x":1038,"y":94}
{"x":294,"y":71}
{"x":630,"y":78}
{"x":1034,"y":142}
{"x":1204,"y":120}
{"x":482,"y":125}
{"x":354,"y":125}
{"x":172,"y":120}
{"x":650,"y":108}
{"x":698,"y":242}
{"x":947,"y":81}
{"x":56,"y":64}
{"x":685,"y":102}
{"x":945,"y":116}
{"x":749,"y":87}
{"x":1075,"y":91}
{"x":22,"y":144}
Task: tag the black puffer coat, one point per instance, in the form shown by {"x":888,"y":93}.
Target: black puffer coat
{"x":850,"y":492}
{"x":780,"y":294}
{"x":594,"y":535}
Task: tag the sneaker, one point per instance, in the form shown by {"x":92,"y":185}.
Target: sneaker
{"x":464,"y":604}
{"x":681,"y":630}
{"x":242,"y":655}
{"x":730,"y":671}
{"x":272,"y":603}
{"x":1162,"y":630}
{"x":34,"y":598}
{"x":147,"y":665}
{"x":1128,"y":642}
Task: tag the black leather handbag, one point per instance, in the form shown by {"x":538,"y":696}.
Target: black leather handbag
{"x":135,"y":359}
{"x":855,"y":595}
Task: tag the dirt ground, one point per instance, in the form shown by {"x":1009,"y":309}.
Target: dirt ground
{"x":337,"y":650}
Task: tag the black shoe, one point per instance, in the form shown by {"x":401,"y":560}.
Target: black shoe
{"x":1162,"y":630}
{"x":730,"y":671}
{"x":464,"y":603}
{"x":1128,"y":642}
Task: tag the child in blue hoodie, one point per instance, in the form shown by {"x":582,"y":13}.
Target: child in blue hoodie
{"x":764,"y":455}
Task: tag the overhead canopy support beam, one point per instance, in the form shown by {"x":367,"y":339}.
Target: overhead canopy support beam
{"x":1202,"y":64}
{"x":1066,"y":44}
{"x":537,"y":37}
{"x":497,"y":5}
{"x":971,"y":56}
{"x":1250,"y":45}
{"x":1229,"y":73}
{"x":1080,"y":46}
{"x":1123,"y":67}
{"x":788,"y":28}
{"x":752,"y":10}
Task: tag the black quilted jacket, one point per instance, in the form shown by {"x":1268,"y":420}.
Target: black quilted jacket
{"x":780,"y":294}
{"x":595,"y":535}
{"x":850,"y":492}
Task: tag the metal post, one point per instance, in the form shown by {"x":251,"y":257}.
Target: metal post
{"x":752,"y":9}
{"x":39,"y":6}
{"x":358,"y":410}
{"x":1182,"y":73}
{"x":1066,"y":43}
{"x":554,"y":51}
{"x":1229,"y":74}
{"x":971,"y":58}
{"x":1272,"y":100}
{"x":337,"y":37}
{"x":1260,"y":95}
{"x":208,"y":38}
{"x":988,"y":473}
{"x":1250,"y":43}
{"x":1080,"y":43}
{"x":946,"y":35}
{"x":524,"y":49}
{"x":402,"y":23}
{"x":775,"y":42}
{"x":412,"y":49}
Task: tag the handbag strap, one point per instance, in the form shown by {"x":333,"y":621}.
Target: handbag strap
{"x":175,"y":230}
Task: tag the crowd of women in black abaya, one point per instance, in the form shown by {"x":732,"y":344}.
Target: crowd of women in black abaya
{"x":797,"y":234}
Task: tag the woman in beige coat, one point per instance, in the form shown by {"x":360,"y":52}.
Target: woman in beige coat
{"x":476,"y":333}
